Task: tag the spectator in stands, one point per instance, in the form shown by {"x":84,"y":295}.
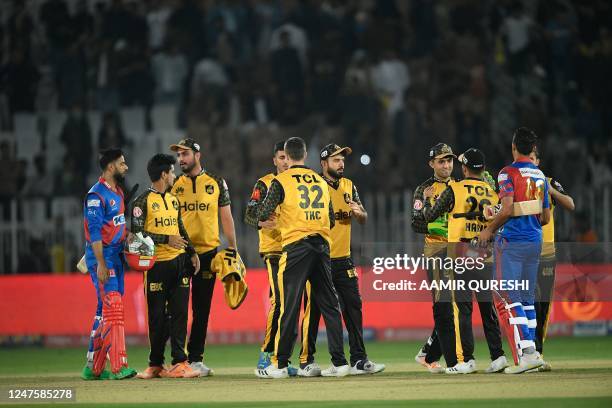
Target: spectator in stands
{"x":39,"y":184}
{"x":288,"y":79}
{"x":559,"y":33}
{"x":170,"y":71}
{"x":517,"y":30}
{"x":391,"y":80}
{"x":20,"y":80}
{"x":8,"y":179}
{"x":76,"y":138}
{"x":20,"y":27}
{"x":157,"y":17}
{"x":210,"y":91}
{"x":111,"y":132}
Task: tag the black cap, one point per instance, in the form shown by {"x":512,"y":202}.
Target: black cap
{"x":333,"y":150}
{"x":186,"y":144}
{"x":440,"y":150}
{"x":473,"y":158}
{"x":279,"y":146}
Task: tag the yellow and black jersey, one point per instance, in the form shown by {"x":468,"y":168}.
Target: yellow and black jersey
{"x":548,"y":230}
{"x":200,"y":198}
{"x":158,"y":215}
{"x":470,"y":196}
{"x":269,"y":239}
{"x":304,"y":205}
{"x":436,"y":230}
{"x":341,"y":192}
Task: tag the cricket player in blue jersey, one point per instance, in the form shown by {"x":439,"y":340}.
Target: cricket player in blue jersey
{"x":105,"y":233}
{"x":525,"y":208}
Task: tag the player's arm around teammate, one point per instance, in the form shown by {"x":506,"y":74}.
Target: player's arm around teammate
{"x":270,"y":250}
{"x":346,"y":207}
{"x":304,"y":221}
{"x":205,"y":203}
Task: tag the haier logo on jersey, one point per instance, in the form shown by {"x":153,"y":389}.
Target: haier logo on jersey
{"x":165,"y":222}
{"x":196,"y":206}
{"x":343,"y":215}
{"x":118,"y":220}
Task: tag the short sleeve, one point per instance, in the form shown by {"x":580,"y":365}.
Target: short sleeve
{"x":506,"y":184}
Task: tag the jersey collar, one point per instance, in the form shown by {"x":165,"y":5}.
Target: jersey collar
{"x":102,"y":180}
{"x":435,"y":178}
{"x":299,"y":166}
{"x":333,"y":183}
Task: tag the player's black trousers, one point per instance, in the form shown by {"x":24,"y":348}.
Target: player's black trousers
{"x":167,"y":296}
{"x":202,"y":288}
{"x":346,"y":283}
{"x":274,"y":312}
{"x":488,"y":315}
{"x":442,"y":342}
{"x":544,"y":296}
{"x":307,"y":259}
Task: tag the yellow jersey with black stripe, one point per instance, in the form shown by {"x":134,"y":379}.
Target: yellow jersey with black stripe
{"x":470,"y":195}
{"x":269,"y":239}
{"x":200,"y":198}
{"x":158,"y":215}
{"x":548,"y":231}
{"x":341,"y":233}
{"x":305,"y":208}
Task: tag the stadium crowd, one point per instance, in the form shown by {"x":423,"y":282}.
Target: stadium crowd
{"x":390,"y":78}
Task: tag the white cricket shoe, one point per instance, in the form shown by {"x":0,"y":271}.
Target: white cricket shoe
{"x":201,"y":368}
{"x":311,"y":370}
{"x":527,"y":362}
{"x":467,"y":367}
{"x":272,"y":371}
{"x":334,"y":371}
{"x":369,"y":367}
{"x":497,"y":365}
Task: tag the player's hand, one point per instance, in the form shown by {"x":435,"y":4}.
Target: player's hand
{"x":195,"y":261}
{"x":356,"y":208}
{"x":102,"y":273}
{"x":428,"y":192}
{"x":176,"y":241}
{"x":268,"y":224}
{"x":484,"y":238}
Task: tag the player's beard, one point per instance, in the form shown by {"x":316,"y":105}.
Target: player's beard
{"x":187,"y":169}
{"x":335,"y":174}
{"x":119,"y":178}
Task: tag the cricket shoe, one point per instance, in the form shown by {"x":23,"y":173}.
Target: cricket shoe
{"x":333,"y":371}
{"x":434,"y":367}
{"x":201,"y":368}
{"x":87,"y":374}
{"x":150,"y":372}
{"x":272,"y":372}
{"x":180,"y":370}
{"x":264,"y":360}
{"x":123,"y":374}
{"x":544,"y":368}
{"x":527,"y":362}
{"x":366,"y":367}
{"x":311,"y":370}
{"x":497,"y":365}
{"x":292,"y":371}
{"x":467,"y":367}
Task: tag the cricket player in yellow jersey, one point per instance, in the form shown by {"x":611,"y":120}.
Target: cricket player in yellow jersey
{"x":546,"y":269}
{"x":156,"y":213}
{"x":270,"y":250}
{"x":305,"y":216}
{"x":464,"y":202}
{"x":347,"y":206}
{"x":442,"y":339}
{"x":204,"y":200}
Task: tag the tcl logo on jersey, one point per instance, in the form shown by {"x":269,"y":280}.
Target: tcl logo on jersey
{"x":195,"y":206}
{"x":165,"y":222}
{"x":118,"y":220}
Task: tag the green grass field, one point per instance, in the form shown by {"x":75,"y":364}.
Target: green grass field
{"x":581,"y":376}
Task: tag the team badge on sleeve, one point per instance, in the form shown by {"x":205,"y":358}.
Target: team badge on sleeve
{"x":256,"y":194}
{"x":93,"y":203}
{"x":418,"y":205}
{"x":137,"y":212}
